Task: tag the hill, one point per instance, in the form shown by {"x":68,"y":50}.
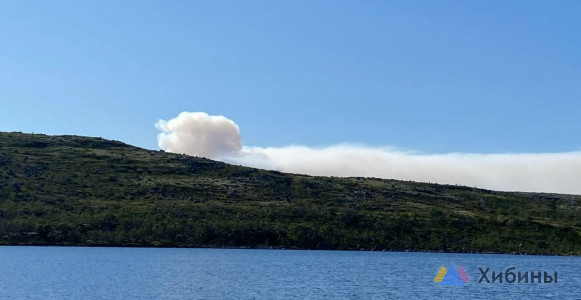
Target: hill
{"x":72,"y":190}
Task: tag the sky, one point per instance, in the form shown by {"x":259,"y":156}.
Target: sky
{"x":427,"y":78}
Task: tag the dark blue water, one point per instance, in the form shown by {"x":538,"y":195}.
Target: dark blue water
{"x":145,"y":273}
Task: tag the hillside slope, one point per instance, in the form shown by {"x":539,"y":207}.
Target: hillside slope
{"x":71,"y":190}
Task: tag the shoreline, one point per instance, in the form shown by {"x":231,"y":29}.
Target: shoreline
{"x":210,"y":247}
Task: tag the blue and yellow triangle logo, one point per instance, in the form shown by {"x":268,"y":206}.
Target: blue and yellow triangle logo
{"x":451,"y":276}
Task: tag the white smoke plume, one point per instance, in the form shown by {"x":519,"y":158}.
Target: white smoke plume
{"x":217,"y":137}
{"x":199,"y":134}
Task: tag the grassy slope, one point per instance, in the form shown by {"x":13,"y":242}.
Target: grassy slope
{"x":70,"y":190}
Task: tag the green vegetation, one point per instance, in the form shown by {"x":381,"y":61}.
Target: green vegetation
{"x":71,"y":190}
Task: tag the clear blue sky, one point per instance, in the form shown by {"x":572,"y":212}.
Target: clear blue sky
{"x":433,"y":76}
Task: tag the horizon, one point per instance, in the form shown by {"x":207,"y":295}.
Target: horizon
{"x":234,"y":162}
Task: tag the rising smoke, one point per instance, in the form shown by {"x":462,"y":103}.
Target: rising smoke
{"x":217,"y":137}
{"x":199,"y":134}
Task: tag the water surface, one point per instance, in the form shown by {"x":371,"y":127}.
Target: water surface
{"x":153,"y":273}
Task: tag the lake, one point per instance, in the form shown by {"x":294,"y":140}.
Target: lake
{"x":155,"y":273}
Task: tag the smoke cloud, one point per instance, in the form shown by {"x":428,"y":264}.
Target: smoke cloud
{"x":199,"y":134}
{"x":217,"y":137}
